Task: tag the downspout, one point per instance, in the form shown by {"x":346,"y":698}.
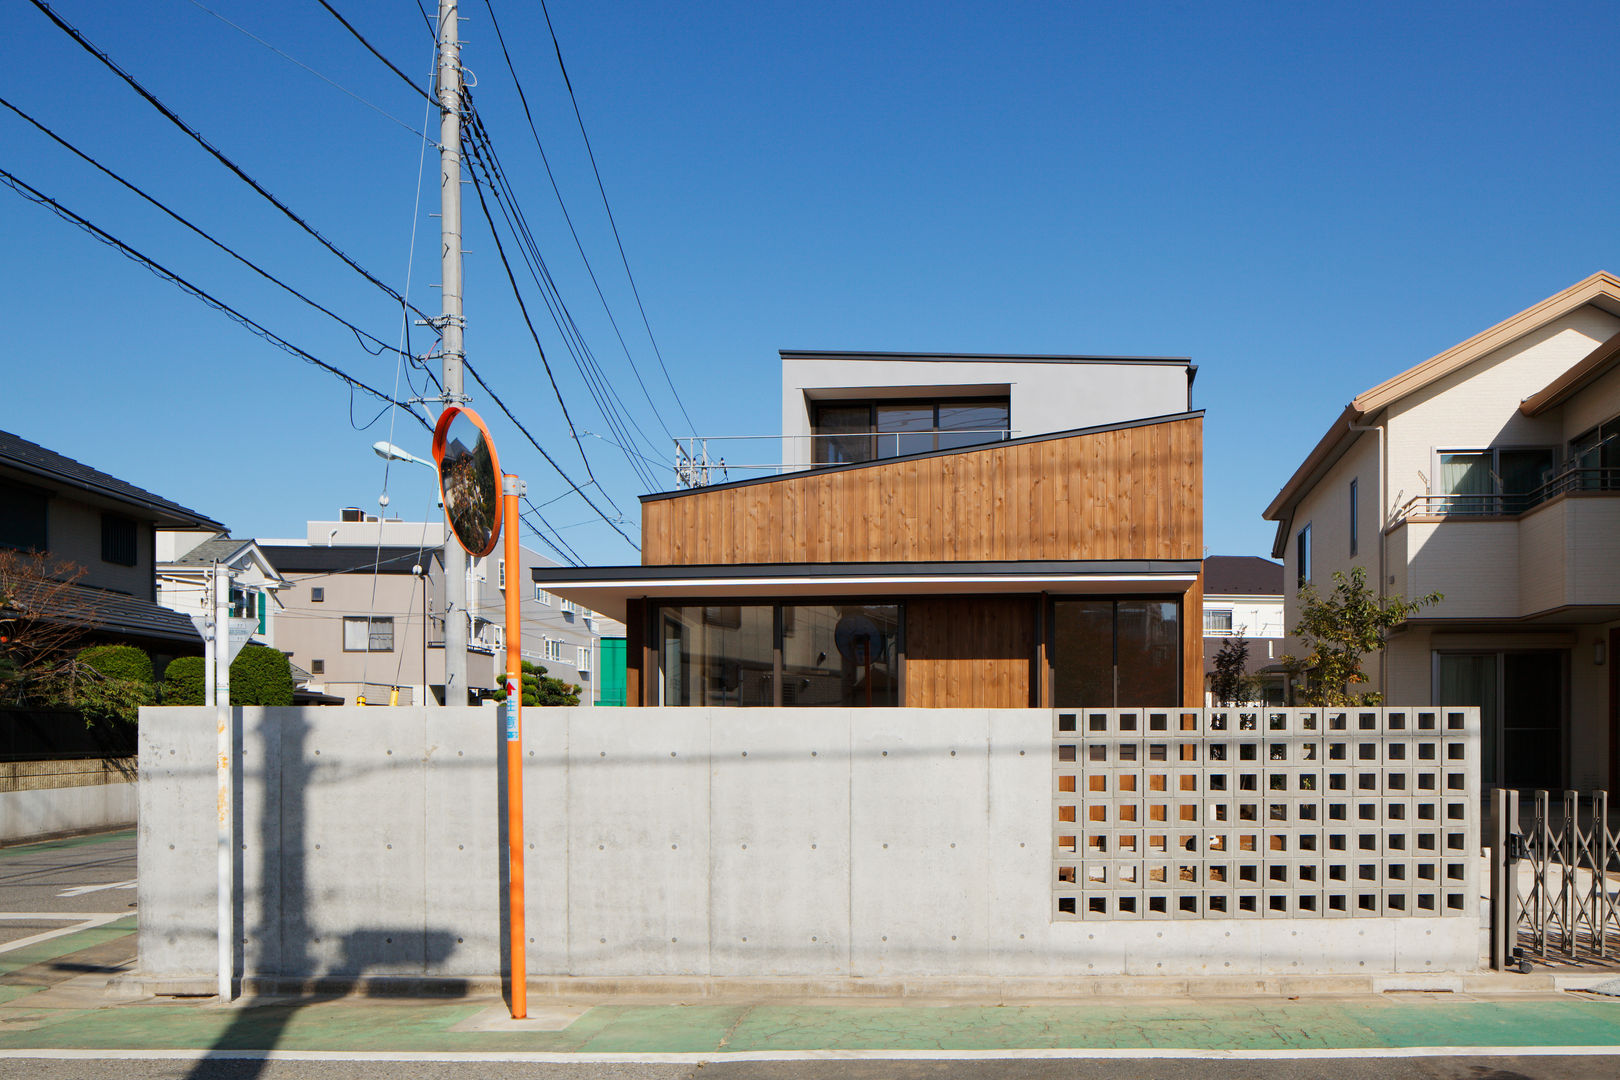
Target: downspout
{"x":1383,"y":519}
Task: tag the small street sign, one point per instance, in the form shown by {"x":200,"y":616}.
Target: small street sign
{"x":241,"y":630}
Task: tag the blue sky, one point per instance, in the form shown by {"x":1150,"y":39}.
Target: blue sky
{"x":1305,"y":199}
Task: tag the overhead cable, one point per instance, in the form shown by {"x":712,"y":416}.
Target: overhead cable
{"x":34,"y":195}
{"x":361,"y":38}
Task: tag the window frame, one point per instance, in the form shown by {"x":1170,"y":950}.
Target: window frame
{"x":1302,"y":556}
{"x":817,"y":440}
{"x":1494,"y":503}
{"x":113,"y":538}
{"x":1355,"y":515}
{"x":1229,"y":630}
{"x":371,"y":622}
{"x":13,"y":495}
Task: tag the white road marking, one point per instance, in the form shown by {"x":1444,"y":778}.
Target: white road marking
{"x":80,"y":890}
{"x":81,"y":921}
{"x":546,"y":1057}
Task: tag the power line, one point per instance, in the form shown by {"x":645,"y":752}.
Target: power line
{"x":530,"y":254}
{"x":197,"y":137}
{"x":625,"y":259}
{"x":34,"y":195}
{"x":556,"y":190}
{"x":294,"y":60}
{"x":358,"y":36}
{"x":358,"y":333}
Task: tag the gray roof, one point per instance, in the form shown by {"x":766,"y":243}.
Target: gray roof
{"x":209,"y":552}
{"x":1242,"y":575}
{"x":119,"y":615}
{"x":36,"y":462}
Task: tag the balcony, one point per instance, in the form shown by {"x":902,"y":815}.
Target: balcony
{"x":1551,"y":554}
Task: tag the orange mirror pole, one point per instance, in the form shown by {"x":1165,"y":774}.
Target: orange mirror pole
{"x":511,"y":489}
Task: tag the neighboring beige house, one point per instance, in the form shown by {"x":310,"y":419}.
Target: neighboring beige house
{"x":1489,"y":473}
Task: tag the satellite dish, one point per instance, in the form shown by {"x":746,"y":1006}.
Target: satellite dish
{"x":469,"y":479}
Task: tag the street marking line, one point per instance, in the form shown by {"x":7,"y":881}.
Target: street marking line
{"x":57,"y":916}
{"x":715,"y":1057}
{"x":80,"y":890}
{"x":86,"y":922}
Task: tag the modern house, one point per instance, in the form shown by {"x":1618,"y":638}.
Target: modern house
{"x":185,"y":569}
{"x":1243,"y":597}
{"x":106,"y":529}
{"x":1491,"y":474}
{"x":944,"y":530}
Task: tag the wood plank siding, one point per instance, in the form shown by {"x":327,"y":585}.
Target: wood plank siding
{"x":971,"y":652}
{"x":1127,"y":493}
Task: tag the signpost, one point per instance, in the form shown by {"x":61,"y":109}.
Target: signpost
{"x":477,"y":497}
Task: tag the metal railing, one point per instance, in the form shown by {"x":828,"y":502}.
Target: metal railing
{"x":696,"y":466}
{"x":1510,"y":503}
{"x":1555,"y":882}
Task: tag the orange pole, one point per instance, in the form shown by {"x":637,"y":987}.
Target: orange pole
{"x":514,"y":751}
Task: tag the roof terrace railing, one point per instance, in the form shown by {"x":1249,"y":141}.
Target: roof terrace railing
{"x":1510,"y":504}
{"x":697,"y":466}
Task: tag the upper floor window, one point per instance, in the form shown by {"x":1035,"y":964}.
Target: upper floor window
{"x":22,"y":518}
{"x":317,"y":594}
{"x":1302,"y":555}
{"x":1355,"y":517}
{"x":542,"y":596}
{"x":853,"y":431}
{"x":361,"y":634}
{"x":554,"y":649}
{"x":1595,"y":458}
{"x":1217,"y":621}
{"x":117,"y":539}
{"x":1497,"y":480}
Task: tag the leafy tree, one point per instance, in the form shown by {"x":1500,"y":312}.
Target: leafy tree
{"x":1227,"y":684}
{"x":185,"y":681}
{"x":541,"y":689}
{"x":259,"y":676}
{"x":1339,"y":630}
{"x":109,"y":682}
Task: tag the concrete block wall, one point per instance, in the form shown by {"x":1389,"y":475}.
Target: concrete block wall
{"x":710,"y":842}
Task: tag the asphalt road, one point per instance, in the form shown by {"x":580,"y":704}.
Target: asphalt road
{"x":55,"y":889}
{"x":1507,"y":1068}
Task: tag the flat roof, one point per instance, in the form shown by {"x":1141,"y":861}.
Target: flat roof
{"x":607,"y":588}
{"x":989,"y":358}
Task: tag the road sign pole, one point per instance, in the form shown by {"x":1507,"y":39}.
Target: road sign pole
{"x":220,"y":680}
{"x":511,"y":491}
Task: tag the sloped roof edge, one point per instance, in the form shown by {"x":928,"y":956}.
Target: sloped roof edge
{"x":1562,"y":388}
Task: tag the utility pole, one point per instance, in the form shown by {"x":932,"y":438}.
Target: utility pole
{"x":450,"y":329}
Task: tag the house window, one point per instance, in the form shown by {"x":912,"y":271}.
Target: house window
{"x":502,"y":569}
{"x":117,"y":539}
{"x":1116,"y":653}
{"x":570,"y":608}
{"x":1302,"y":555}
{"x":22,"y":518}
{"x":1355,"y":519}
{"x":842,"y":654}
{"x":1217,"y":621}
{"x":1595,"y":458}
{"x":542,"y":596}
{"x":853,"y":431}
{"x":317,"y":594}
{"x":583,"y":661}
{"x":554,"y":650}
{"x":317,"y":667}
{"x":361,"y":634}
{"x":1500,"y":480}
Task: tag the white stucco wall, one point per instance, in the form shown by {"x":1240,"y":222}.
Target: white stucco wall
{"x":1046,"y":396}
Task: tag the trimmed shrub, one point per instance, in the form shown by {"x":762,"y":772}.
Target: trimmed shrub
{"x":119,"y":662}
{"x":261,"y":676}
{"x":113,"y":683}
{"x":185,"y":681}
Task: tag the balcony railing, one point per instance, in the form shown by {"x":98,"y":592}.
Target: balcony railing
{"x":1510,"y":504}
{"x":697,"y":465}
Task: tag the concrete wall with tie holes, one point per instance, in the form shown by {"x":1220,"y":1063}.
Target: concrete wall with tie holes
{"x":712,"y":842}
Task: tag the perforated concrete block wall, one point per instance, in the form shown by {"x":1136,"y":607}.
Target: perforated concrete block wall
{"x":746,"y":842}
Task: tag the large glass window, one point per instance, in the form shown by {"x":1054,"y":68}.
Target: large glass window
{"x":1108,"y":653}
{"x":840,"y":654}
{"x":361,"y":634}
{"x":1506,"y":480}
{"x":717,"y":655}
{"x":1521,"y":711}
{"x":854,"y":431}
{"x":1596,"y":457}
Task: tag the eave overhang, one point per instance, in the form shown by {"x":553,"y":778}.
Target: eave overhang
{"x":607,"y":589}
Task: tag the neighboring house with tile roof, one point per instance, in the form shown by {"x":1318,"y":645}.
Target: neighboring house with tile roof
{"x":1489,"y":473}
{"x":76,"y":514}
{"x":1243,"y":595}
{"x":185,"y":570}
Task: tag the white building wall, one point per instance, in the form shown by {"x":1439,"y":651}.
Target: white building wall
{"x":1045,"y":395}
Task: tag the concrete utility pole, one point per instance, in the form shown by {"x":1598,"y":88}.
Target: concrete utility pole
{"x":451,"y":326}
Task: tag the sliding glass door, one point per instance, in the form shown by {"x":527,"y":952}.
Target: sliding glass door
{"x":1521,"y":701}
{"x":1116,"y":652}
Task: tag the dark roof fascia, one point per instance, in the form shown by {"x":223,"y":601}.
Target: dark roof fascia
{"x":561,"y":575}
{"x":85,"y":478}
{"x":988,"y":358}
{"x":823,"y":470}
{"x":296,"y":559}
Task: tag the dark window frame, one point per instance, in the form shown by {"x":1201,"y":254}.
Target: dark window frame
{"x":817,"y":453}
{"x":1355,"y":516}
{"x":12,"y":497}
{"x":1302,"y":557}
{"x":120,"y":540}
{"x":1050,"y":611}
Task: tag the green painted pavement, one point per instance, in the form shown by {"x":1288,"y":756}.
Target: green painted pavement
{"x":68,"y":943}
{"x":65,"y":842}
{"x":366,"y":1025}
